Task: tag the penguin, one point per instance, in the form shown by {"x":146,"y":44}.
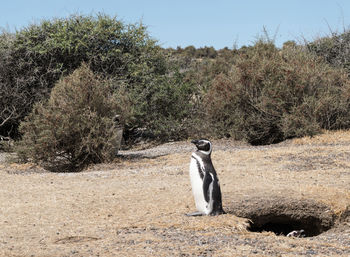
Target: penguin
{"x":204,"y":181}
{"x":297,"y":233}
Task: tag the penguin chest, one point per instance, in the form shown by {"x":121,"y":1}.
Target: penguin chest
{"x":197,"y":186}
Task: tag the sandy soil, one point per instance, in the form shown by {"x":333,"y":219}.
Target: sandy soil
{"x":136,"y":205}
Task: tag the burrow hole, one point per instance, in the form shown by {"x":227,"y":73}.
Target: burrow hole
{"x":282,"y":225}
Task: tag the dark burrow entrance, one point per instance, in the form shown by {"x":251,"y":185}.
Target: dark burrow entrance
{"x":283,"y":225}
{"x":285,"y":215}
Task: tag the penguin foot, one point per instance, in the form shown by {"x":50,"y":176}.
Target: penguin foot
{"x":194,"y":214}
{"x":216,"y":213}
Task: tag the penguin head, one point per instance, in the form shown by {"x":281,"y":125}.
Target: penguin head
{"x":297,"y":233}
{"x":203,"y":145}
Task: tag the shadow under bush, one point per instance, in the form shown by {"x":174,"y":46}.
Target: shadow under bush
{"x":74,"y":127}
{"x":271,"y":95}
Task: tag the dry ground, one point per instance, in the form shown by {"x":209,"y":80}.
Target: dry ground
{"x":136,"y":206}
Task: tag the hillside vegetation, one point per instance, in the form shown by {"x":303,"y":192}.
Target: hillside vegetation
{"x":260,"y":94}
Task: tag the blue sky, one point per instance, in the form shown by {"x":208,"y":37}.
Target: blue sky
{"x":219,"y":23}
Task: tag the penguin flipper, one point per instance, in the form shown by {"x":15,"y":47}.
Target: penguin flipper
{"x":207,"y":181}
{"x":194,"y":214}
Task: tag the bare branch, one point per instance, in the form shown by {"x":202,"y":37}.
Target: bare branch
{"x":8,"y":117}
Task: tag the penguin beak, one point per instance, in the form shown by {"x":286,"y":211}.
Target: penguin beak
{"x":194,"y":142}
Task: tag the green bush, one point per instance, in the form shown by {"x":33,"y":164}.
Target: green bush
{"x":271,"y":95}
{"x":74,"y":127}
{"x":162,"y":109}
{"x":34,"y":58}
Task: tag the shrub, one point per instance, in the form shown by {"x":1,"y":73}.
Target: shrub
{"x":162,"y":109}
{"x":334,"y":49}
{"x":34,"y":58}
{"x":74,"y":127}
{"x":271,"y":95}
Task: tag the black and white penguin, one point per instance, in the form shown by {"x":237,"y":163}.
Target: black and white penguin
{"x":204,"y":181}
